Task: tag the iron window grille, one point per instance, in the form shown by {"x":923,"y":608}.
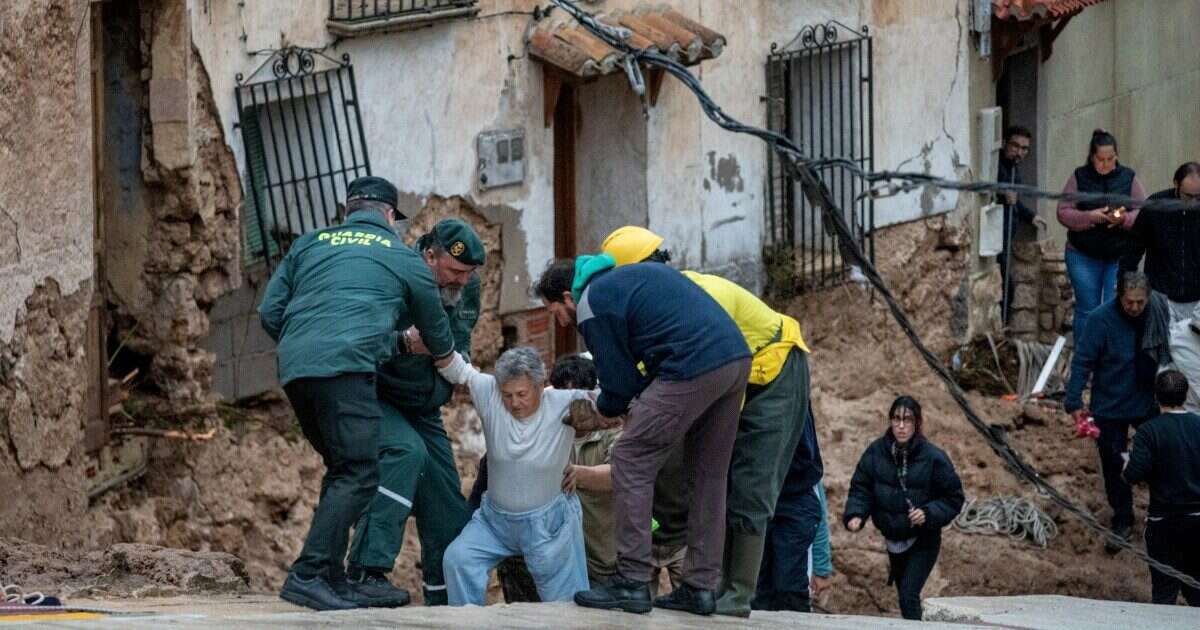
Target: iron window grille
{"x":352,"y":11}
{"x":302,"y":132}
{"x":819,"y":94}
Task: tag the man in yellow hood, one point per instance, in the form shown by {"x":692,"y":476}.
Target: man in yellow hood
{"x":770,"y":426}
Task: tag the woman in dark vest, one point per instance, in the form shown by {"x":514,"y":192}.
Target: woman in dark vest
{"x":909,"y":488}
{"x":1099,"y":241}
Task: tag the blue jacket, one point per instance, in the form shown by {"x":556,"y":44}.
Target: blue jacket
{"x":1122,"y":376}
{"x":650,"y":314}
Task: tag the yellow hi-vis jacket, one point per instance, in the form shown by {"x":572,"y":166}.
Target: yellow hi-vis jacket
{"x":770,"y":335}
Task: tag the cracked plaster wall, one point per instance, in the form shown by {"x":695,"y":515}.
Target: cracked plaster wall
{"x":703,"y":186}
{"x":46,"y":264}
{"x":421,"y":132}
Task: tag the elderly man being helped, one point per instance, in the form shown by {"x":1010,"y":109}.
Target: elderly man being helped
{"x":524,"y":511}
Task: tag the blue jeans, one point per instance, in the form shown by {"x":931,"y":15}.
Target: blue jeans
{"x":550,"y":538}
{"x":1094,"y":282}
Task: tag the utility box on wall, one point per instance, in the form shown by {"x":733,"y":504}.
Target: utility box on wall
{"x":501,"y":158}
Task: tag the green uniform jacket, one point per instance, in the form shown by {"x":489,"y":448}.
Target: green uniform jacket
{"x":410,"y":382}
{"x":340,"y":296}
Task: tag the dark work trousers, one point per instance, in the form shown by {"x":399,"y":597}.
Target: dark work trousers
{"x":783,"y":578}
{"x":1173,"y":541}
{"x":1114,"y":438}
{"x":340,"y":417}
{"x":515,"y":580}
{"x":769,"y":428}
{"x":702,"y":413}
{"x":910,"y":569}
{"x":417,"y":475}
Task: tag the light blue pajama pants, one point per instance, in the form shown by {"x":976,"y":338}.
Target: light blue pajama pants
{"x":550,"y":538}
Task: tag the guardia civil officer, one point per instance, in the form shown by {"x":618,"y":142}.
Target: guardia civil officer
{"x":417,"y":473}
{"x":335,"y":307}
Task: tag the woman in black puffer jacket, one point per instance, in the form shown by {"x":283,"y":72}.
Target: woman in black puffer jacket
{"x":908,"y":487}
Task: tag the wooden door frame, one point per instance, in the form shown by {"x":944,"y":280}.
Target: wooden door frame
{"x":566,"y":116}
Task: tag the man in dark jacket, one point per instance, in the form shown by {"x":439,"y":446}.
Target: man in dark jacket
{"x":1166,"y":454}
{"x":334,"y":305}
{"x":696,"y":364}
{"x":1172,"y":242}
{"x":1110,"y":354}
{"x":417,"y":473}
{"x":1017,"y":215}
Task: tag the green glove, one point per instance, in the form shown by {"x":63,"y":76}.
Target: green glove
{"x":653,"y":525}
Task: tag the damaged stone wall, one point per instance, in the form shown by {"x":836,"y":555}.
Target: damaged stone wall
{"x":192,"y":237}
{"x":1043,"y":300}
{"x":42,"y":414}
{"x":46,"y":265}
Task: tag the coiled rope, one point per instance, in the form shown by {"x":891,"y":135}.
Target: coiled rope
{"x":1018,"y":517}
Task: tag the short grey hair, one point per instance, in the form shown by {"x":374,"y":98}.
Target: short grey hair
{"x":1129,"y":280}
{"x":521,"y":361}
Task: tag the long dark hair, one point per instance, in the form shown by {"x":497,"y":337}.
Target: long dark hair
{"x":911,"y":404}
{"x":1101,"y":138}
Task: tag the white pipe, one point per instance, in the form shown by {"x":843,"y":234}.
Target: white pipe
{"x":1049,"y":366}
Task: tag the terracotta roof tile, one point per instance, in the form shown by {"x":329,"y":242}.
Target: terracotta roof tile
{"x":570,"y":47}
{"x":1030,"y":9}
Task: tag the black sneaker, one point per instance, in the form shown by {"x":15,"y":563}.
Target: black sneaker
{"x":688,"y":599}
{"x":619,"y":594}
{"x":1126,"y":534}
{"x":314,"y":592}
{"x":372,"y":589}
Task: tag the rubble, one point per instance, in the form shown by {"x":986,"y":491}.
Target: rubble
{"x":122,"y":570}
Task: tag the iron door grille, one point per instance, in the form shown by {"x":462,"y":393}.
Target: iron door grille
{"x":819,"y":94}
{"x":304,"y":143}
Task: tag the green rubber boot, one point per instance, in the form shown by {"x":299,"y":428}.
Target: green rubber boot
{"x":739,"y":577}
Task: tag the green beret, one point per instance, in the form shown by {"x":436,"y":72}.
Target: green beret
{"x":460,"y":241}
{"x":373,"y":189}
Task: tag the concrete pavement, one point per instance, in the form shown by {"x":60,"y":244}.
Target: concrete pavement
{"x":1034,"y":612}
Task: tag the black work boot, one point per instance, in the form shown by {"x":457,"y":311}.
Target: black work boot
{"x":689,"y":599}
{"x":793,"y":600}
{"x":313,"y":592}
{"x":377,"y":590}
{"x":619,"y":594}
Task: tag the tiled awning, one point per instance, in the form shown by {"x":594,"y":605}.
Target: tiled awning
{"x":570,"y":48}
{"x":1035,"y":9}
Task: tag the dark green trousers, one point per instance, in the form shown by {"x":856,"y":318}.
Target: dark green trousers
{"x":768,"y":431}
{"x":417,"y":476}
{"x":340,"y":416}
